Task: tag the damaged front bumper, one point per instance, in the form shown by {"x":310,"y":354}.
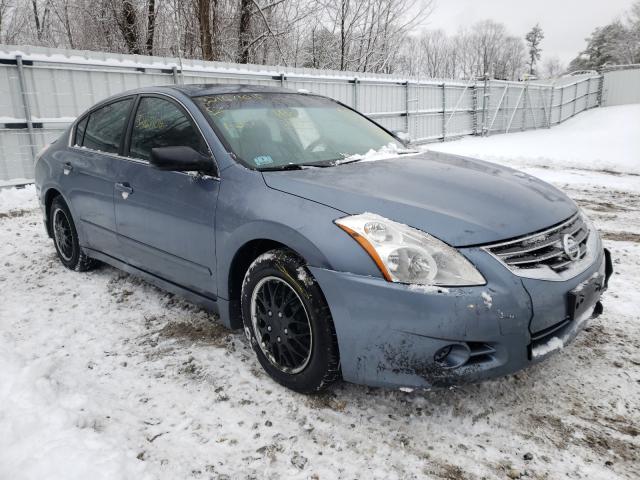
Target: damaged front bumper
{"x":394,"y":335}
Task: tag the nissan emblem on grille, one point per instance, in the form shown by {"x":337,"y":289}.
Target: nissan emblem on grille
{"x":571,"y":247}
{"x":554,"y":253}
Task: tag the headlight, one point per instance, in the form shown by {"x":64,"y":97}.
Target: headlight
{"x":406,"y":255}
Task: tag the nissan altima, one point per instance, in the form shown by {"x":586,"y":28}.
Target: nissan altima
{"x":340,"y":251}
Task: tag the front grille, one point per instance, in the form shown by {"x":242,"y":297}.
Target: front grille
{"x":543,"y":249}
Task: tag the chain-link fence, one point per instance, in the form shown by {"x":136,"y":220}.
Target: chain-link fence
{"x":42,"y":90}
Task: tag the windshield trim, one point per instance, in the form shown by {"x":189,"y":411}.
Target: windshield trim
{"x":249,"y":165}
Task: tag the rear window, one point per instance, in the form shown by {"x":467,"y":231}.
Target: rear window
{"x":105,"y":127}
{"x":80,"y":129}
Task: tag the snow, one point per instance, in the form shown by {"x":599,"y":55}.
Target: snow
{"x":64,"y":120}
{"x":47,"y":430}
{"x":553,"y":344}
{"x":427,"y":288}
{"x":12,"y":199}
{"x":303,"y":276}
{"x":487,"y":299}
{"x":383,"y":153}
{"x":102,"y":59}
{"x":15,"y":182}
{"x":601,"y":139}
{"x":106,"y":376}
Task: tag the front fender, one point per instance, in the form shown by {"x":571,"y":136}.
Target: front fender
{"x":249,"y":210}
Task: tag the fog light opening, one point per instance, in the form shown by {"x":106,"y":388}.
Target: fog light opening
{"x":452,"y":356}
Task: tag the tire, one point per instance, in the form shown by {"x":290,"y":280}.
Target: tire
{"x":65,"y":238}
{"x":288,"y":322}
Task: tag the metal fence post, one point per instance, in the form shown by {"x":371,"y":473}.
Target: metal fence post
{"x":600,"y":90}
{"x":561,"y":104}
{"x":524,"y":105}
{"x":575,"y":99}
{"x":176,"y":80}
{"x":282,"y":79}
{"x":474,"y":107}
{"x":444,"y":111}
{"x":27,"y":108}
{"x":355,"y":93}
{"x":485,"y":105}
{"x":406,"y":104}
{"x":550,"y":113}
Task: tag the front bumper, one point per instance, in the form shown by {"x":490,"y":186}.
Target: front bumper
{"x":389,"y":334}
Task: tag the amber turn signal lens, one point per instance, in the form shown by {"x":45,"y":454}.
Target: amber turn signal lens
{"x":364,"y":243}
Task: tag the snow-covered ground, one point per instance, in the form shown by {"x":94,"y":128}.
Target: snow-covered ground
{"x":105,"y":376}
{"x":602,"y":139}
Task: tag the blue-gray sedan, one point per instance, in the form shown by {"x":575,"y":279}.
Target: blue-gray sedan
{"x":340,"y":251}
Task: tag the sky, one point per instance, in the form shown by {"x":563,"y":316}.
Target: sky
{"x":566,"y":23}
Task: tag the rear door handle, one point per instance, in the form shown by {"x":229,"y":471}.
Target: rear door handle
{"x":67,"y":168}
{"x":125,"y":189}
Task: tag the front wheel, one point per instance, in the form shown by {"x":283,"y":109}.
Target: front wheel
{"x":288,"y":322}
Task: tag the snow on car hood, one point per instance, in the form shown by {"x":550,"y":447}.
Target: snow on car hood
{"x":459,"y":200}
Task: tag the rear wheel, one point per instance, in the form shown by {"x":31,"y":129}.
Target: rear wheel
{"x":288,"y":322}
{"x":65,"y":238}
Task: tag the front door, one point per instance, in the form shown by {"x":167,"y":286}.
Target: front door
{"x":165,"y":220}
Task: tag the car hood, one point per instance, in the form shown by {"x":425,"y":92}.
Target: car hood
{"x":459,"y":200}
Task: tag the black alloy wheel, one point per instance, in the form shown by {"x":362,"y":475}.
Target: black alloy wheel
{"x":288,"y":322}
{"x":281,"y":324}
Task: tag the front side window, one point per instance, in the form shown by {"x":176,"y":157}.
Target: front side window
{"x":106,"y":126}
{"x":267,"y":130}
{"x":160,"y":123}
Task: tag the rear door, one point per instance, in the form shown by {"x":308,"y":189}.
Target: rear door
{"x":89,"y":168}
{"x":165,"y":220}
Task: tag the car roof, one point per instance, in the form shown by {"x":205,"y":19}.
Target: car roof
{"x":196,"y":90}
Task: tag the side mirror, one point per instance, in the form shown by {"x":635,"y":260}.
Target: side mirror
{"x":404,"y":137}
{"x":181,"y":159}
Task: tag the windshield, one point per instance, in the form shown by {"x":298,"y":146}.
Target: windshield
{"x":271,"y":130}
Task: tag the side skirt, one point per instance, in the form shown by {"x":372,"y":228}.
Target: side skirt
{"x":207,"y":303}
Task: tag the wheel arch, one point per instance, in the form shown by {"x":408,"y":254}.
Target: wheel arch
{"x":234,"y":260}
{"x":49,"y":196}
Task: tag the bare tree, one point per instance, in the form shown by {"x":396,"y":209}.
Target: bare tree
{"x":552,"y":67}
{"x":127,"y":20}
{"x":5,"y":6}
{"x":40,"y":17}
{"x":151,"y":25}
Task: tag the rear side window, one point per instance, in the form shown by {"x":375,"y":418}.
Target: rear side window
{"x":80,"y":129}
{"x":106,"y":126}
{"x":160,"y":123}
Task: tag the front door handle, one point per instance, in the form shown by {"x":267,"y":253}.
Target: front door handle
{"x":67,"y":168}
{"x":125,"y":189}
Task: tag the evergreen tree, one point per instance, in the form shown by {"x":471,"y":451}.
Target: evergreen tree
{"x":534,"y":39}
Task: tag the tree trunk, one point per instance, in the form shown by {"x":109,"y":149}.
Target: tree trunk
{"x":130,"y":27}
{"x":344,"y":9}
{"x":41,"y":23}
{"x":151,"y":25}
{"x":67,"y":26}
{"x":243,"y":31}
{"x":204,"y":9}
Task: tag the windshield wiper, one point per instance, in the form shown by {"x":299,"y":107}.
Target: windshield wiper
{"x":294,"y":166}
{"x":288,"y":166}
